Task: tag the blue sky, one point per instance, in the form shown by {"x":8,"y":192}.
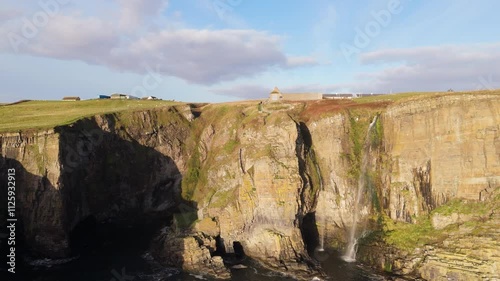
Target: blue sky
{"x":225,"y":50}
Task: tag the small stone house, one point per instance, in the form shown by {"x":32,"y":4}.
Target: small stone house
{"x":149,"y":98}
{"x":71,"y":98}
{"x":275,"y":95}
{"x":118,"y":96}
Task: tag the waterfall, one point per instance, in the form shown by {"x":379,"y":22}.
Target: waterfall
{"x":322,"y":228}
{"x":352,"y":242}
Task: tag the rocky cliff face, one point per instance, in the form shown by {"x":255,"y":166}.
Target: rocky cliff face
{"x":268,"y":181}
{"x":39,"y":204}
{"x":250,"y":178}
{"x":104,"y":168}
{"x":423,"y":153}
{"x":443,"y":154}
{"x":439,"y":149}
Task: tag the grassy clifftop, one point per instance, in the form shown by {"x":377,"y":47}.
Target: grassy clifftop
{"x":410,"y":96}
{"x":47,"y":114}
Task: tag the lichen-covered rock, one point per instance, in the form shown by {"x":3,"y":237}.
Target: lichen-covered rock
{"x":192,"y":253}
{"x":35,"y":157}
{"x":270,"y":182}
{"x":253,"y":185}
{"x":440,"y":221}
{"x":439,"y":149}
{"x":466,"y":249}
{"x":208,"y":227}
{"x":333,"y":142}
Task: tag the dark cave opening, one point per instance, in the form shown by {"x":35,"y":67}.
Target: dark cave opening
{"x":83,"y":237}
{"x":239,"y":252}
{"x":220,"y":248}
{"x":196,"y":109}
{"x":306,"y":135}
{"x":309,"y":231}
{"x":91,"y":237}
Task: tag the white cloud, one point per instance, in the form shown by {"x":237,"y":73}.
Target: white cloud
{"x":433,"y":54}
{"x":203,"y":56}
{"x":134,"y":13}
{"x":66,"y":37}
{"x":435,"y":68}
{"x":122,"y":42}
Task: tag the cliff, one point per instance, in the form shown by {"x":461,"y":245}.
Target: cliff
{"x":270,"y":181}
{"x":113,"y":167}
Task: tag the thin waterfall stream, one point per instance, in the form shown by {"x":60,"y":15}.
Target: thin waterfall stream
{"x":322,"y":228}
{"x":352,"y":242}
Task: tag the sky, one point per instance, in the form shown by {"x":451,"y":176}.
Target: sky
{"x":228,"y":50}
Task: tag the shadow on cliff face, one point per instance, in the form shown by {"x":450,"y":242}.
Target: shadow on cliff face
{"x":17,"y":239}
{"x":114,"y":187}
{"x":311,"y":176}
{"x":113,"y":194}
{"x":310,"y":233}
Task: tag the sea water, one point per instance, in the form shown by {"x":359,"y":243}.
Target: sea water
{"x":127,"y":266}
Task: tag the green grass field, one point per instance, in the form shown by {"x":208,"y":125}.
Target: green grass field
{"x":48,"y":114}
{"x":419,"y":95}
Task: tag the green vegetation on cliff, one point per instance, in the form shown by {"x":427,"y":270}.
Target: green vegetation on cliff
{"x":222,"y":150}
{"x":366,"y":142}
{"x":314,"y":172}
{"x":48,"y":114}
{"x":465,"y":207}
{"x":193,"y":175}
{"x":408,"y":236}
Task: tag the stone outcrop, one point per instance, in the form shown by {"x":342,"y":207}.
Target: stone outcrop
{"x":191,"y":253}
{"x":467,"y":248}
{"x":440,"y":221}
{"x":252,"y":184}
